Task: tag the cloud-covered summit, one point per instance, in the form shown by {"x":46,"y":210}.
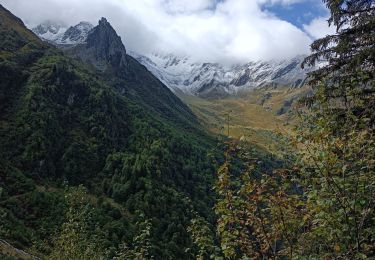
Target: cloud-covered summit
{"x":224,"y":31}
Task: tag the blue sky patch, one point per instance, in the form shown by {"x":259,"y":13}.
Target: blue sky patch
{"x":298,"y":13}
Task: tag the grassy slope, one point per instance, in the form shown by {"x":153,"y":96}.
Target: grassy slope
{"x":253,"y":116}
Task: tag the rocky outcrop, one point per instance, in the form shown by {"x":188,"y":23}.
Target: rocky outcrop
{"x":104,"y":47}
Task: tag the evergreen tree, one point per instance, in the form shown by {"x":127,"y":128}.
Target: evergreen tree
{"x":350,"y":52}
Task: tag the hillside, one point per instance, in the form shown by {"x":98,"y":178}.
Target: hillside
{"x":137,"y":148}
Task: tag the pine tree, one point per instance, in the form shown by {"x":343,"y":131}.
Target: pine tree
{"x":350,"y":52}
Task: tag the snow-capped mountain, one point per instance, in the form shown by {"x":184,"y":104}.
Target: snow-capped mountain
{"x":213,"y":79}
{"x":196,"y":78}
{"x":49,"y":30}
{"x":76,"y":34}
{"x":58,"y":34}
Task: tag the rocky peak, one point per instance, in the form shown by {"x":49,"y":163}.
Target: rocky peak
{"x":106,"y":45}
{"x":104,"y":21}
{"x":76,"y":34}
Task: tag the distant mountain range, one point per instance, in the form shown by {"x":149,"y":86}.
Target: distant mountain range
{"x":190,"y":77}
{"x":215,"y":80}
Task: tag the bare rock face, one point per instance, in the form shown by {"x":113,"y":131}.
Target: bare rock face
{"x":99,"y":46}
{"x":105,"y":47}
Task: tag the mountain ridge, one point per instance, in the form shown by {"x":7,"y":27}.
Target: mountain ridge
{"x":210,"y":80}
{"x":217,"y":80}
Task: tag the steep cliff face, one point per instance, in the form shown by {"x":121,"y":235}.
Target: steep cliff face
{"x":102,"y":48}
{"x":105,"y":45}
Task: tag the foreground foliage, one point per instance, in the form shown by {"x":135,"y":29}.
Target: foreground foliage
{"x":323,"y":207}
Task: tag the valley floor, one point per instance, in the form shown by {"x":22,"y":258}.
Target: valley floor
{"x":258,"y":116}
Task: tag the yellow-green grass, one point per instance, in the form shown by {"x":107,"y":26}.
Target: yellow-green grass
{"x":250,"y":119}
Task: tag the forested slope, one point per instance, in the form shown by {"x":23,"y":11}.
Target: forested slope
{"x":135,"y":146}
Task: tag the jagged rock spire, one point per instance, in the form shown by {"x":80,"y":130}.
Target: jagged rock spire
{"x":107,"y":45}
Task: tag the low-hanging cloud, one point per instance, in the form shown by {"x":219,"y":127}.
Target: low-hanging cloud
{"x":208,"y":30}
{"x":318,"y":28}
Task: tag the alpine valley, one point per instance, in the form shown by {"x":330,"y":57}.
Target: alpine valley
{"x":258,"y":95}
{"x":77,"y":109}
{"x":108,"y":153}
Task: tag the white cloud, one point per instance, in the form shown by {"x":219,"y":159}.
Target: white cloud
{"x":318,"y":28}
{"x":184,"y":6}
{"x":209,"y":30}
{"x":282,"y":2}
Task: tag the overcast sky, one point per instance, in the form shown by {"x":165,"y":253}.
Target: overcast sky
{"x":208,"y":30}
